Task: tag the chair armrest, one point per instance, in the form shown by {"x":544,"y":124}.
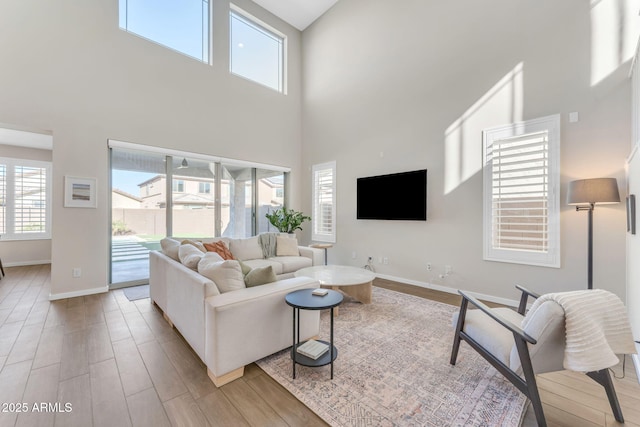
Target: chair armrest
{"x":524,"y":297}
{"x":498,"y":318}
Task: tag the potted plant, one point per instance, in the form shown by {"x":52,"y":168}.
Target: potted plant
{"x":287,"y":220}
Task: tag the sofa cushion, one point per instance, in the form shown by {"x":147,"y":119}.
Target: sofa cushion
{"x":257,"y":263}
{"x":226,"y":274}
{"x":190,"y":256}
{"x":170,"y":248}
{"x":286,"y":246}
{"x":260,"y":276}
{"x":195,"y":243}
{"x":245,"y":249}
{"x":289,"y":264}
{"x":220,"y":248}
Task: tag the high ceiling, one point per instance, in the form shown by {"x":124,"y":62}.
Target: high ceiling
{"x":299,"y":13}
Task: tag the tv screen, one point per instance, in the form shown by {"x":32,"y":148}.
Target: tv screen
{"x":398,"y":196}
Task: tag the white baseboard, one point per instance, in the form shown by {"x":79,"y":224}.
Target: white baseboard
{"x":498,"y":300}
{"x":84,"y":292}
{"x":26,"y":263}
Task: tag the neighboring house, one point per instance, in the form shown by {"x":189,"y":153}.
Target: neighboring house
{"x":123,"y":200}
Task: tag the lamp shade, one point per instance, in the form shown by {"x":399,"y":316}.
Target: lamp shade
{"x":592,"y":191}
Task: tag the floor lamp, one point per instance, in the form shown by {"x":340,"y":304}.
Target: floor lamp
{"x":585,"y":193}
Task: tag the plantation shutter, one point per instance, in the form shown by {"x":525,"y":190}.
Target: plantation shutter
{"x":324,"y":207}
{"x":30,"y":211}
{"x":521,"y":197}
{"x":520,"y":200}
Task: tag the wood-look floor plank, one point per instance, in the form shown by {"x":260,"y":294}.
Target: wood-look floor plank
{"x":76,"y":392}
{"x":49,"y":350}
{"x":99,"y":344}
{"x":146,"y":410}
{"x":8,"y":334}
{"x":55,"y":315}
{"x":14,"y":380}
{"x":164,"y":376}
{"x":138,"y":327}
{"x":38,"y":315}
{"x":191,"y":369}
{"x":219,"y":410}
{"x":107,"y":398}
{"x":184,"y":411}
{"x":251,"y":405}
{"x":75,"y":356}
{"x":74,"y":318}
{"x":160,"y":328}
{"x":4,"y":313}
{"x":26,"y":344}
{"x":118,"y":329}
{"x":42,"y":388}
{"x":94,"y":313}
{"x":284,"y":403}
{"x":133,"y":372}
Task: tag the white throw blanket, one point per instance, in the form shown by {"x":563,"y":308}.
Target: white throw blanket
{"x":597,"y":328}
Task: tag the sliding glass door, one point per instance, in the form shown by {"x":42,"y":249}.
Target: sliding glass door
{"x":138,"y":213}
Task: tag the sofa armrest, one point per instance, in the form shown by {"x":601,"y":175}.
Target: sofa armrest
{"x":248,"y":324}
{"x":316,"y":255}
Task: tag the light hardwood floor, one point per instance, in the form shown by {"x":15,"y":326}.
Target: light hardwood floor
{"x":118,"y":363}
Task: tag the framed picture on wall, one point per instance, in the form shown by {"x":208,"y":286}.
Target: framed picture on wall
{"x":79,"y":192}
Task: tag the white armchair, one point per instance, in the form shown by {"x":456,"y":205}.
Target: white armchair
{"x":517,"y":352}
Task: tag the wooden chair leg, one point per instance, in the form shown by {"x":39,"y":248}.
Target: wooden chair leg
{"x":459,"y":326}
{"x":1,"y":267}
{"x":530,"y":379}
{"x":603,"y":377}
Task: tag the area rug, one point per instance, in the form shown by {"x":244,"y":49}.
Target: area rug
{"x":393,"y":369}
{"x":136,"y":292}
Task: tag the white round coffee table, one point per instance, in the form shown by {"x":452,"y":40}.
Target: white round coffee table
{"x":353,"y":281}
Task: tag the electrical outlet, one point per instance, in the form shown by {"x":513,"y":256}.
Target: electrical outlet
{"x":77,"y":272}
{"x":448,"y":269}
{"x":379,"y":260}
{"x":354,"y":255}
{"x":385,"y":260}
{"x":428,"y":266}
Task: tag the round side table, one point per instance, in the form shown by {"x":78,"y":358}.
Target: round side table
{"x":303,"y":299}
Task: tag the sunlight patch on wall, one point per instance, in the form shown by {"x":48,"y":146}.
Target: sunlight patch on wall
{"x":501,"y":104}
{"x":615,"y":28}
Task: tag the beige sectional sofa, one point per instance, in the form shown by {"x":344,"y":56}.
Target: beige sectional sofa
{"x":230,"y":329}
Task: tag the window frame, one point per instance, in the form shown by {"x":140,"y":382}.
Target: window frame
{"x":123,"y":24}
{"x":330,"y":236}
{"x":550,"y":257}
{"x":10,"y":200}
{"x":262,"y":26}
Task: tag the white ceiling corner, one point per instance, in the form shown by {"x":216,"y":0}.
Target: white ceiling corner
{"x":298,"y":13}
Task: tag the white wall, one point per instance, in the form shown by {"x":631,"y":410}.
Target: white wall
{"x":395,"y":86}
{"x":69,"y":69}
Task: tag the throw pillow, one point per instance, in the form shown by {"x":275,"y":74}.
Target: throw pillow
{"x":226,"y":274}
{"x":220,"y":248}
{"x":190,"y":256}
{"x":170,"y":247}
{"x":287,"y":246}
{"x":195,"y":243}
{"x":245,"y":268}
{"x":260,"y":276}
{"x":248,"y":248}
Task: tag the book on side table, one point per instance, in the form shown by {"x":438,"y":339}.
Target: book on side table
{"x":320,"y":292}
{"x":313,"y":349}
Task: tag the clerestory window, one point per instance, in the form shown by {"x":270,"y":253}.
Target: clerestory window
{"x":182,"y":25}
{"x":257,"y":51}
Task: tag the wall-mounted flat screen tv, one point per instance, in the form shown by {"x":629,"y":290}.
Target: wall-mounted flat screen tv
{"x":399,"y":196}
